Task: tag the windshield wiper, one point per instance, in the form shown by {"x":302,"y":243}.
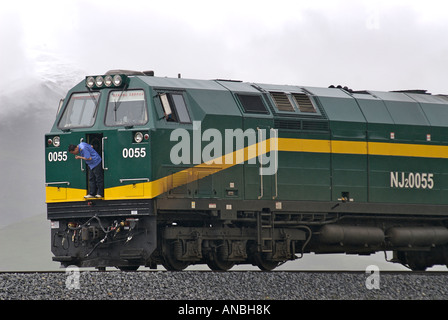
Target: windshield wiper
{"x":91,"y":93}
{"x":118,"y":102}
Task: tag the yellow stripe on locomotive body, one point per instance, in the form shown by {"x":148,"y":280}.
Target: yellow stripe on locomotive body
{"x":363,"y":148}
{"x":152,"y":189}
{"x":408,"y":150}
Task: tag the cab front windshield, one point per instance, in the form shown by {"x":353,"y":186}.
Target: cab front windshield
{"x":126,"y":108}
{"x":80,"y":111}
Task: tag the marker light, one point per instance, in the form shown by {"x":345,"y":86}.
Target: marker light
{"x":57,"y":141}
{"x":138,"y":137}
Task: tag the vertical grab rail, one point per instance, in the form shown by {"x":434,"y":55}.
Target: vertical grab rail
{"x":275,"y":143}
{"x":260,"y":157}
{"x":103,"y":164}
{"x":82,"y":166}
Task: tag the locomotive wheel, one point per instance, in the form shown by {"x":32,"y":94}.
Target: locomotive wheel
{"x":265,"y":265}
{"x":417,"y":261}
{"x":217,"y":260}
{"x":219,"y":265}
{"x":173,"y":251}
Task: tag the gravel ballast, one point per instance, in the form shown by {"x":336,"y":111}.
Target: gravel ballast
{"x":249,"y":285}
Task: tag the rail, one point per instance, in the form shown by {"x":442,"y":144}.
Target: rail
{"x":61,"y":182}
{"x":134,"y":179}
{"x":102,"y":154}
{"x":260,"y":139}
{"x":82,"y":167}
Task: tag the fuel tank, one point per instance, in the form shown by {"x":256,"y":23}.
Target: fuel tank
{"x":417,"y":236}
{"x":351,"y":235}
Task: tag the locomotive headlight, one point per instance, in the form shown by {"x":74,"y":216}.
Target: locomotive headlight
{"x":118,"y":80}
{"x":99,"y":81}
{"x":138,"y":137}
{"x":57,"y":141}
{"x":108,"y":81}
{"x":90,"y":82}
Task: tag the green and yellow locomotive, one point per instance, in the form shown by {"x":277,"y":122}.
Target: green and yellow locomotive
{"x":224,"y":172}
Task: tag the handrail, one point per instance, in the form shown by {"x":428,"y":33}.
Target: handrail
{"x":275,"y":142}
{"x":82,"y":167}
{"x":260,"y":157}
{"x":134,"y":179}
{"x":102,"y":154}
{"x":62,"y":182}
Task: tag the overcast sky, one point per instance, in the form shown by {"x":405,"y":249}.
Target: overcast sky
{"x":377,"y":45}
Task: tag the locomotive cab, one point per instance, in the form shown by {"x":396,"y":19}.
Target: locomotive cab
{"x":111,"y":114}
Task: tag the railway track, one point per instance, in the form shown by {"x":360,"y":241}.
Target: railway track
{"x":235,"y":285}
{"x":113,"y":270}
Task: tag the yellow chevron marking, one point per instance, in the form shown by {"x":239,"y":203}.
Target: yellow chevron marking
{"x":154,"y":188}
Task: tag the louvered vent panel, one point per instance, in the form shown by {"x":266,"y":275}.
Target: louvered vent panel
{"x":282,"y":102}
{"x":304,"y":103}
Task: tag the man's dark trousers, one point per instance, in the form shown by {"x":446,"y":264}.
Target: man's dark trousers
{"x":96,"y":181}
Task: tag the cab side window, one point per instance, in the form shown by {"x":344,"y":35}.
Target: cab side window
{"x":174,"y":107}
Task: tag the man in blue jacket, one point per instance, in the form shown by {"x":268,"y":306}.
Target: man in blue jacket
{"x":86,"y":152}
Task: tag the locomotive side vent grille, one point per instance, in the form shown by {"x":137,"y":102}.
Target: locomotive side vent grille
{"x":307,"y":125}
{"x":282,"y":101}
{"x":287,"y":124}
{"x":304,"y":103}
{"x":315,"y":125}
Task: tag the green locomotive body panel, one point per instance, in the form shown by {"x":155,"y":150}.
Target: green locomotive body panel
{"x":231,"y":172}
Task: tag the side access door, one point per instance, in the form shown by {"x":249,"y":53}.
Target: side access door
{"x":260,"y":167}
{"x":125,"y":147}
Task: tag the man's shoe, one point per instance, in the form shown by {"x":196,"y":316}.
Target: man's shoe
{"x":98,"y":196}
{"x":89,"y":196}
